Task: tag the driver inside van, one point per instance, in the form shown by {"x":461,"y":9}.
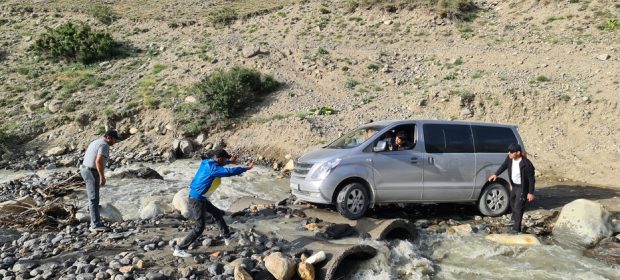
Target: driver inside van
{"x":401,"y":143}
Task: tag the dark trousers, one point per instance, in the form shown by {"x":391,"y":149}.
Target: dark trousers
{"x":518,"y":199}
{"x":200,"y":209}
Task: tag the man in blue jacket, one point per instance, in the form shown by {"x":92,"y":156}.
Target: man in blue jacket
{"x":205,"y":182}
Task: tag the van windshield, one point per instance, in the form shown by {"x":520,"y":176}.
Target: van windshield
{"x":355,"y":137}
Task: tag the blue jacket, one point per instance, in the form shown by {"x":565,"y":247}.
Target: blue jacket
{"x":208,"y":171}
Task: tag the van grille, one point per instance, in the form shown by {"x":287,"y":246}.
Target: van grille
{"x":301,"y":169}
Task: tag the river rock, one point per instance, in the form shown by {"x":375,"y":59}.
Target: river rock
{"x":182,"y":147}
{"x":14,"y":207}
{"x":316,"y":258}
{"x":151,"y":210}
{"x":280,"y":266}
{"x":241,"y":274}
{"x":142,"y":173}
{"x":510,"y":239}
{"x":107,"y":212}
{"x":250,"y":51}
{"x":583,"y":223}
{"x":56,"y":151}
{"x":180,"y":202}
{"x":305,"y":271}
{"x":608,"y":250}
{"x":464,"y":229}
{"x":54,"y":105}
{"x":289,"y":166}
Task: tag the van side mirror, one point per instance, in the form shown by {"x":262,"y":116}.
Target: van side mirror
{"x":380,"y":147}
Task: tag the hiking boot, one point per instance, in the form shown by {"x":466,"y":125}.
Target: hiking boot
{"x":181,"y":253}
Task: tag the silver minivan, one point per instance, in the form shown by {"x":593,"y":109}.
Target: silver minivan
{"x":441,"y":161}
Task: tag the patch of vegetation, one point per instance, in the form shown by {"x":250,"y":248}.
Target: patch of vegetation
{"x":30,"y":71}
{"x":321,"y":51}
{"x":457,"y":9}
{"x":76,"y":78}
{"x":350,"y":83}
{"x":477,"y":75}
{"x":158,"y":68}
{"x":451,"y":76}
{"x":277,"y":117}
{"x":373,"y":67}
{"x":76,"y":42}
{"x":324,"y":10}
{"x":457,"y":62}
{"x":103,"y":13}
{"x":610,"y":24}
{"x":466,"y":31}
{"x":323,"y":111}
{"x":466,"y":98}
{"x":230,"y":92}
{"x":564,"y":97}
{"x":542,"y":79}
{"x":223,"y":17}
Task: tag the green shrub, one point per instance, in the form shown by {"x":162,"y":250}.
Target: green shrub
{"x":350,"y":83}
{"x":323,"y":111}
{"x":103,"y":14}
{"x":229,"y":92}
{"x":457,"y":9}
{"x":76,"y":42}
{"x":610,"y":24}
{"x":542,"y":79}
{"x":373,"y":67}
{"x":223,"y":17}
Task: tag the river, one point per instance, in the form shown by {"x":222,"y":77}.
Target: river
{"x":431,"y":256}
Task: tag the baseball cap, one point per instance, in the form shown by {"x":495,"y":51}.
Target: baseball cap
{"x":112,"y":134}
{"x":221,"y":153}
{"x":514,"y":148}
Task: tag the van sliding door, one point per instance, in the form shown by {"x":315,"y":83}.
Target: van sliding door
{"x":450,"y":172}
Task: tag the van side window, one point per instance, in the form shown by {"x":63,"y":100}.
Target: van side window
{"x":448,"y":138}
{"x":491,"y":139}
{"x":406,"y":132}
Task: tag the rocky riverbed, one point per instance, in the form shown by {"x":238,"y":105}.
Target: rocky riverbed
{"x":58,"y":246}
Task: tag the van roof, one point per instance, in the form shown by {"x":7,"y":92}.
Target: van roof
{"x":424,"y":121}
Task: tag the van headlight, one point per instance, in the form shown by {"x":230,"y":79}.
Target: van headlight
{"x":323,"y":170}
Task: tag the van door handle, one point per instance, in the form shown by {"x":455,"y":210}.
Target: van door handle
{"x":431,"y":160}
{"x":414,"y":160}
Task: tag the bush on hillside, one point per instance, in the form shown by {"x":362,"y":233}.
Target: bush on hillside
{"x":76,"y":42}
{"x":224,"y":16}
{"x":229,"y":92}
{"x":103,"y":14}
{"x":457,"y":9}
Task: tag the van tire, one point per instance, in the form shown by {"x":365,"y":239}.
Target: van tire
{"x":352,"y":201}
{"x":494,"y":200}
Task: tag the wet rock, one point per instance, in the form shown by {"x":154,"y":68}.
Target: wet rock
{"x":316,"y":258}
{"x":337,"y":231}
{"x":142,"y":173}
{"x":151,"y":210}
{"x":280,"y":266}
{"x":583,"y":223}
{"x":608,"y":250}
{"x":154,"y":276}
{"x":464,"y":229}
{"x":107,"y":211}
{"x":216,"y":269}
{"x":513,"y":239}
{"x":306,"y":271}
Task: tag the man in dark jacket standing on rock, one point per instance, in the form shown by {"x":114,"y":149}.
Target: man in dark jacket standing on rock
{"x":521,"y":174}
{"x":92,"y":171}
{"x":206,"y":180}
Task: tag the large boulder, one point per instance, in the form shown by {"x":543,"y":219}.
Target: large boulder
{"x":281,"y":267}
{"x":107,"y":212}
{"x":141,"y":173}
{"x":152,"y":210}
{"x":180,"y":202}
{"x":582,"y":223}
{"x":182,"y":147}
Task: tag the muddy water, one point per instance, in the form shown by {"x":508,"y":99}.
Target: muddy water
{"x":431,"y":256}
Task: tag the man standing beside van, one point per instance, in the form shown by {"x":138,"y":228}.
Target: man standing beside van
{"x":521,"y":174}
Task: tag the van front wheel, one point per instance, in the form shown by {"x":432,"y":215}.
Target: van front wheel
{"x":352,"y":201}
{"x":494,"y":200}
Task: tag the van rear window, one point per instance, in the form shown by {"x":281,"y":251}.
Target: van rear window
{"x":491,"y":139}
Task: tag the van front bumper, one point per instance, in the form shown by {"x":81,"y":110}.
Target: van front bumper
{"x":310,"y":191}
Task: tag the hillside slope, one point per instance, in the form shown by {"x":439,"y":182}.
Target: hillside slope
{"x":550,"y":67}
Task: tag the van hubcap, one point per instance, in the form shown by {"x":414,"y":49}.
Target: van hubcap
{"x":496,"y":200}
{"x":355,"y":201}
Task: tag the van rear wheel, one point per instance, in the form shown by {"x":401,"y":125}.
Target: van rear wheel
{"x":494,"y":200}
{"x":352,"y":201}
